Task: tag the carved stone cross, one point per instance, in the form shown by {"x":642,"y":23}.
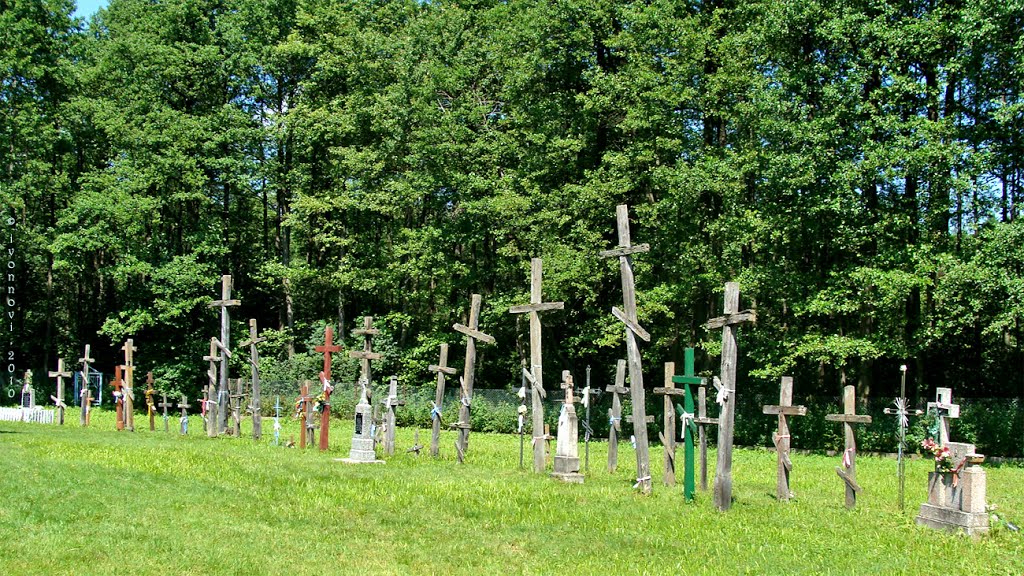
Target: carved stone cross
{"x":727,"y":415}
{"x":224,"y":303}
{"x":442,"y":370}
{"x":534,"y":308}
{"x":58,"y":400}
{"x":254,"y":364}
{"x":781,"y":438}
{"x":615,"y":414}
{"x":86,"y":398}
{"x":472,"y":333}
{"x":633,"y":330}
{"x":849,"y":417}
{"x":945,"y":410}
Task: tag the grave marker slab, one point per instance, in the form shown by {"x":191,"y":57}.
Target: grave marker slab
{"x":781,"y":439}
{"x":567,"y":452}
{"x":849,"y":417}
{"x":362,"y":451}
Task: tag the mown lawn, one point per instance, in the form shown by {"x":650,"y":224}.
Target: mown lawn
{"x":95,"y":501}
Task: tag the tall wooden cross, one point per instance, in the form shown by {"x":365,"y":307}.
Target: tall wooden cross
{"x":615,"y":415}
{"x":86,"y":397}
{"x":945,"y":410}
{"x":534,"y":308}
{"x":150,"y":402}
{"x":366,"y":354}
{"x":442,"y":370}
{"x":165,"y":405}
{"x":686,"y":412}
{"x":211,"y":376}
{"x":58,"y":400}
{"x":325,"y":409}
{"x":129,"y":384}
{"x":727,"y":415}
{"x":235,"y":402}
{"x":116,"y":384}
{"x":902,"y":413}
{"x":633,"y":330}
{"x":329,"y":347}
{"x":224,"y":303}
{"x":849,"y":417}
{"x":473,"y":334}
{"x":254,"y":364}
{"x":184,"y":406}
{"x":781,"y":438}
{"x":390,"y":403}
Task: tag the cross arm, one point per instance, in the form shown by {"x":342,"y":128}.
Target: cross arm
{"x":617,"y":389}
{"x":624,"y":251}
{"x":785,"y":410}
{"x":253,"y":341}
{"x":732,"y":319}
{"x":364,"y":355}
{"x":849,"y":418}
{"x":473,"y":333}
{"x":538,"y":307}
{"x":649,"y":418}
{"x":670,"y":391}
{"x":365,"y":332}
{"x":447,"y":370}
{"x":631,"y":324}
{"x":221,"y":303}
{"x":689,"y":380}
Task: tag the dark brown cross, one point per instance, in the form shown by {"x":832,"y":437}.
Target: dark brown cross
{"x":366,"y":354}
{"x":85,"y":397}
{"x":615,"y":414}
{"x":58,"y":400}
{"x":727,"y":415}
{"x":165,"y":405}
{"x":781,"y":438}
{"x":225,"y":344}
{"x":150,"y":405}
{"x":254,"y":363}
{"x":442,"y":370}
{"x":328,"y":348}
{"x":633,"y":330}
{"x":668,"y":433}
{"x":118,"y":397}
{"x":534,"y":308}
{"x":184,"y":406}
{"x":849,"y":417}
{"x":472,"y":333}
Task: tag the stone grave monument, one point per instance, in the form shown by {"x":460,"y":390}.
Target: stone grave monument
{"x":362,"y":451}
{"x":567,"y":449}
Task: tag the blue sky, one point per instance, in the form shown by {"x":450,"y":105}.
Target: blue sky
{"x":87,"y":8}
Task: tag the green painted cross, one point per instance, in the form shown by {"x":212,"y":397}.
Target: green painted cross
{"x":687,"y":418}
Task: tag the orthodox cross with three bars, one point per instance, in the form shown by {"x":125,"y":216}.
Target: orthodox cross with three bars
{"x":58,"y":400}
{"x":781,"y":438}
{"x":633,"y":330}
{"x":902,"y":421}
{"x":165,"y":405}
{"x":727,"y":415}
{"x":86,"y":394}
{"x":224,"y":303}
{"x":129,"y":384}
{"x":849,"y":417}
{"x":536,"y":372}
{"x":442,"y":369}
{"x":327,"y":348}
{"x":473,"y":333}
{"x":615,"y":414}
{"x":254,"y":364}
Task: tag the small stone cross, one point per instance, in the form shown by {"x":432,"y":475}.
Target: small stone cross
{"x":945,"y":410}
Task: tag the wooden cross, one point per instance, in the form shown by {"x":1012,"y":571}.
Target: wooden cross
{"x":235,"y":402}
{"x":945,"y":410}
{"x":211,"y":375}
{"x":442,"y":370}
{"x":302,"y":411}
{"x":86,"y":398}
{"x":225,"y":340}
{"x":727,"y":415}
{"x":254,"y":363}
{"x":116,"y":384}
{"x":212,"y":408}
{"x":325,"y":413}
{"x":902,"y":421}
{"x":366,"y":354}
{"x":391,"y":402}
{"x":781,"y":438}
{"x":129,"y":384}
{"x":668,"y":434}
{"x":615,"y":415}
{"x":58,"y":400}
{"x":534,"y":308}
{"x":150,"y":405}
{"x":310,"y":423}
{"x":686,"y":412}
{"x":165,"y":405}
{"x":473,"y":334}
{"x":849,"y":417}
{"x":702,"y":420}
{"x":330,"y":347}
{"x":184,"y":406}
{"x":633,"y":329}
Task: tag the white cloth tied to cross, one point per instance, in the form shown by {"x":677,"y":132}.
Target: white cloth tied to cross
{"x":723,"y":392}
{"x":585,"y":399}
{"x":687,"y":419}
{"x":848,"y":457}
{"x":640,"y":481}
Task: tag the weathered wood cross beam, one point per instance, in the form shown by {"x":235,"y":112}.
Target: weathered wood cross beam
{"x":849,"y":417}
{"x":784,"y":409}
{"x":472,"y":333}
{"x":224,"y":303}
{"x":58,"y":400}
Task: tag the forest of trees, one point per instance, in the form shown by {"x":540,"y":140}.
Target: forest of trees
{"x":858,"y":167}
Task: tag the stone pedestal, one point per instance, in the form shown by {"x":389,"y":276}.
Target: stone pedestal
{"x":959,"y":507}
{"x":362,"y":451}
{"x":567,"y":459}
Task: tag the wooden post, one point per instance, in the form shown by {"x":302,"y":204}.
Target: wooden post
{"x":473,"y":334}
{"x":165,"y":405}
{"x":116,"y":384}
{"x":129,"y":384}
{"x":84,"y":396}
{"x":325,"y":412}
{"x":849,"y":417}
{"x":391,"y":402}
{"x":212,"y":409}
{"x":211,"y":376}
{"x":615,"y":415}
{"x":633,"y":329}
{"x":184,"y":406}
{"x":727,"y":414}
{"x":442,"y":369}
{"x":781,"y":438}
{"x":534,"y":308}
{"x":668,"y":433}
{"x":58,"y":400}
{"x":686,"y":412}
{"x":150,"y":402}
{"x":225,"y":340}
{"x":302,"y":412}
{"x":254,"y":364}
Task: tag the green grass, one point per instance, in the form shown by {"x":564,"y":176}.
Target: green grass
{"x":95,"y":501}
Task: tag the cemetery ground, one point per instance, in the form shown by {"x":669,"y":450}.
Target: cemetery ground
{"x":97,"y":501}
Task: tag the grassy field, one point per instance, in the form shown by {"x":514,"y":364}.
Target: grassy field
{"x":95,"y":501}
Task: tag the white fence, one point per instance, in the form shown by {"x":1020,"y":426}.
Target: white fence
{"x":37,"y":415}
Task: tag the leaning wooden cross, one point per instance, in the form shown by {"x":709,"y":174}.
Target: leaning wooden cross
{"x":473,"y":333}
{"x":849,"y":417}
{"x":390,"y":403}
{"x":327,"y":348}
{"x":615,"y":414}
{"x":85,"y":395}
{"x":633,"y":330}
{"x":150,"y":402}
{"x":129,"y":384}
{"x":781,"y":438}
{"x":58,"y":400}
{"x":536,"y":372}
{"x":254,"y":364}
{"x":442,"y":370}
{"x":224,"y":303}
{"x":727,"y":394}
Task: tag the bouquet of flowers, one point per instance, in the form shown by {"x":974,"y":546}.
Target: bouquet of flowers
{"x":943,"y":460}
